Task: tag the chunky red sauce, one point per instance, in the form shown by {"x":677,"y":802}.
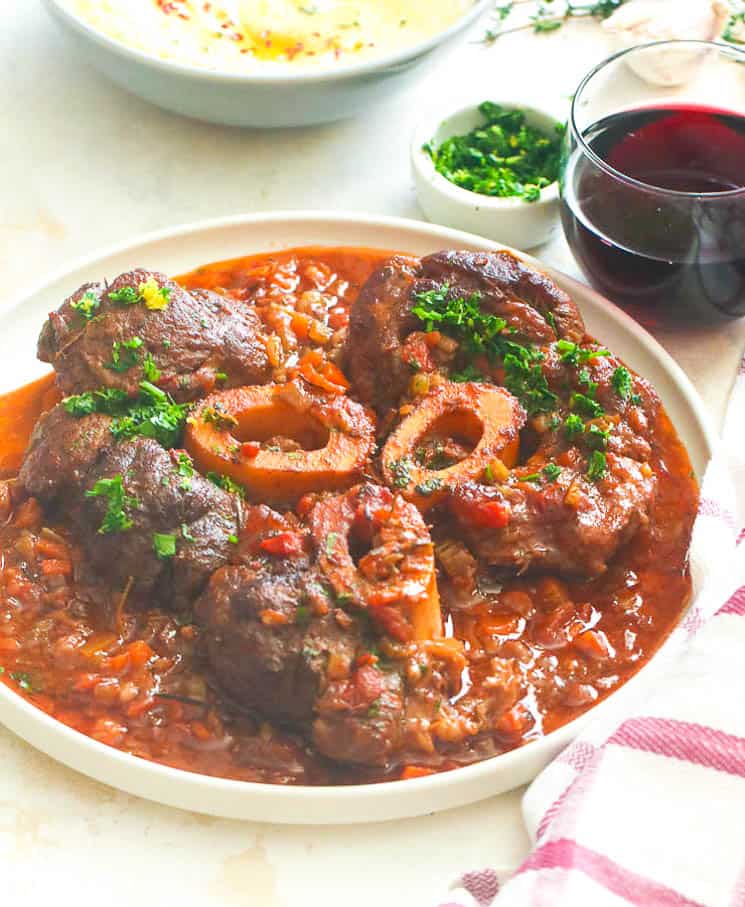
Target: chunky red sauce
{"x":139,"y":681}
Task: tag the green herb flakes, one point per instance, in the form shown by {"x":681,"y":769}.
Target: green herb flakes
{"x":585,"y":405}
{"x":226,"y":483}
{"x":503,"y":157}
{"x":430,"y":486}
{"x":573,"y":426}
{"x":164,"y":545}
{"x":87,"y":305}
{"x":597,"y":465}
{"x":331,"y":543}
{"x":623,"y":385}
{"x":149,"y":369}
{"x":400,"y":470}
{"x":124,"y":354}
{"x":116,"y":518}
{"x":125,"y":296}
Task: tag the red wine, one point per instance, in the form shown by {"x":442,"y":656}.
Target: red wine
{"x":671,"y":228}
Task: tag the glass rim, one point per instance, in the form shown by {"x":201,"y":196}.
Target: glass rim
{"x":618,"y":174}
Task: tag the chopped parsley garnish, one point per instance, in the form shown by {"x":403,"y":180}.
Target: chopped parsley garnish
{"x":400,"y":472}
{"x":469,"y":373}
{"x":623,"y":386}
{"x":125,"y":296}
{"x":149,"y":369}
{"x":185,"y":468}
{"x":533,"y":477}
{"x":233,"y":539}
{"x":23,"y":679}
{"x":226,"y":483}
{"x":573,"y":354}
{"x":573,"y":426}
{"x":597,"y":465}
{"x":503,"y":157}
{"x":481,"y":333}
{"x":551,"y":472}
{"x":331,"y":542}
{"x":302,"y":614}
{"x":164,"y":545}
{"x":185,"y":534}
{"x":216,"y":415}
{"x":586,"y":381}
{"x":460,"y":317}
{"x":124,"y":354}
{"x":154,"y":296}
{"x":116,"y":518}
{"x":528,"y":383}
{"x":106,"y":400}
{"x":87,"y":305}
{"x":152,"y":415}
{"x":221,"y":377}
{"x":428,"y":487}
{"x":374,"y":708}
{"x":586,"y":405}
{"x":596,"y":438}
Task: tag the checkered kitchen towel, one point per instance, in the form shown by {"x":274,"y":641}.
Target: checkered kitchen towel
{"x":647,"y":807}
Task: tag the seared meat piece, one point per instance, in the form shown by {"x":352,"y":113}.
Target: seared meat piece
{"x":181,"y":527}
{"x":572,"y":525}
{"x":362,"y":718}
{"x":144,"y":324}
{"x":379,"y":321}
{"x":62,"y":451}
{"x":276,"y":644}
{"x":268,"y":641}
{"x":510,"y":289}
{"x":378,"y":358}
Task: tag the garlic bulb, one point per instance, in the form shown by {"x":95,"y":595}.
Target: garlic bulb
{"x":642,"y":21}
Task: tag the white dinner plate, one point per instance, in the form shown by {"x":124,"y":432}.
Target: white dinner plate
{"x":181,"y":249}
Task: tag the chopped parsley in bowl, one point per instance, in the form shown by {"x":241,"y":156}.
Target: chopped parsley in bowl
{"x":491,"y":168}
{"x":504,"y":156}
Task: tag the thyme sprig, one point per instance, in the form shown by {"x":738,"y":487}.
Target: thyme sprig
{"x":548,"y":15}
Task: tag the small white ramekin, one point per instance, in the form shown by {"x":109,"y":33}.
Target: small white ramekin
{"x":511,"y":221}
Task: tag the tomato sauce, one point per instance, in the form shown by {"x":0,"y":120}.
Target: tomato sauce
{"x":139,"y":681}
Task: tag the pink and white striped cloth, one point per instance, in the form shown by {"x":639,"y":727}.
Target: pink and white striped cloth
{"x":647,"y":806}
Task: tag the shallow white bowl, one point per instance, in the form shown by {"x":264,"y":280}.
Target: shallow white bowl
{"x":510,"y":220}
{"x":299,"y":97}
{"x":182,"y":249}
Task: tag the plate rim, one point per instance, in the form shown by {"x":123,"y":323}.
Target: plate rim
{"x":165,"y":784}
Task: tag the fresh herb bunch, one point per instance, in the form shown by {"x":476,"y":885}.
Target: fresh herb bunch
{"x":548,"y":16}
{"x":504,"y":157}
{"x":152,"y":414}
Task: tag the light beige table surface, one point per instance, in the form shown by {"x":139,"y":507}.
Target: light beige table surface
{"x":82,"y":165}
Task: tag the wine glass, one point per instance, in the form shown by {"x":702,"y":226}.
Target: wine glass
{"x":653,"y":178}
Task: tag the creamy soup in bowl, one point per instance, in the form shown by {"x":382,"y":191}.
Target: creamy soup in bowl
{"x":245,"y":35}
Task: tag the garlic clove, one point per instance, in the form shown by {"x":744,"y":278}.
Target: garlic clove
{"x":643,"y":21}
